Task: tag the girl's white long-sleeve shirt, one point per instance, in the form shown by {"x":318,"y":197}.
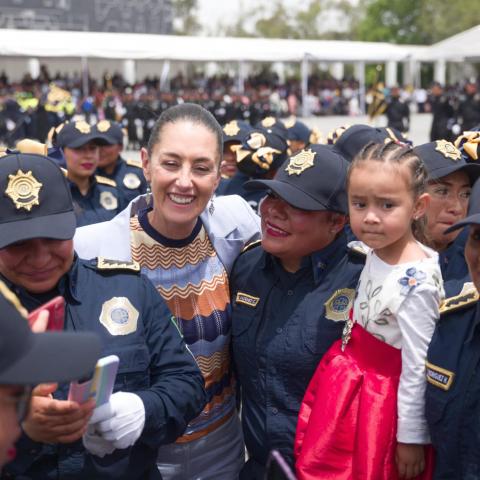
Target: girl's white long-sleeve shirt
{"x":399,"y":304}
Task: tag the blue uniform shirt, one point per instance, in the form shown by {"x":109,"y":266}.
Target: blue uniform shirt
{"x":453,"y":389}
{"x":282,"y":324}
{"x":128,"y":175}
{"x":452,"y":260}
{"x":154,"y":364}
{"x":101,"y":203}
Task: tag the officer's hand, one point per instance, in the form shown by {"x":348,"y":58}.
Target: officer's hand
{"x":55,"y":421}
{"x":410,"y":460}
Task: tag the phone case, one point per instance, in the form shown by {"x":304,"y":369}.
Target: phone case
{"x":56,"y":309}
{"x":100,"y":386}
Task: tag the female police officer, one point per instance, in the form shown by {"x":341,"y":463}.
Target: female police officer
{"x":290,"y":297}
{"x":158,"y":389}
{"x":453,"y":373}
{"x":450,"y":179}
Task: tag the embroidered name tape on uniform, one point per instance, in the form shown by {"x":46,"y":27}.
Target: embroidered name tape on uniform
{"x":107,"y":264}
{"x":119,"y":316}
{"x":247,"y":299}
{"x":338,"y":306}
{"x":439,"y":377}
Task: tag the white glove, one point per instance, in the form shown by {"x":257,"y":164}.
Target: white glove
{"x":120,"y":422}
{"x":95,"y":444}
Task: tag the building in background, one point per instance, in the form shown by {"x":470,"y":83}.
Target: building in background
{"x":127,"y":16}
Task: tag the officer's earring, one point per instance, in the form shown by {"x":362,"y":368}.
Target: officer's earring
{"x":211,"y":207}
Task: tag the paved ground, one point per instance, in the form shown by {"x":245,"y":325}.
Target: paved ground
{"x":419,"y":123}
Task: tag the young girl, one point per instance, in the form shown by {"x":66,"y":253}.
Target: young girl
{"x":362,"y":416}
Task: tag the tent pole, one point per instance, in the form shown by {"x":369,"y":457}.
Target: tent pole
{"x":305,"y":112}
{"x":85,"y":79}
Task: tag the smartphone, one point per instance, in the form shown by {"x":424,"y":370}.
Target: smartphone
{"x":56,"y":310}
{"x":278,"y":468}
{"x":99,"y":386}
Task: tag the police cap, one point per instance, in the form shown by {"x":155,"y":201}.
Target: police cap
{"x":77,"y":134}
{"x":110,"y":131}
{"x":313,"y":179}
{"x":35,"y":201}
{"x":236,"y":131}
{"x":442,"y":158}
{"x":354,"y":138}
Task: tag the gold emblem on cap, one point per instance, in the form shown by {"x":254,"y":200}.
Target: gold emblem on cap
{"x":269,"y":122}
{"x":131,"y":181}
{"x":103,"y":126}
{"x":448,"y":150}
{"x":108,"y":200}
{"x":119,"y":316}
{"x":300,"y":162}
{"x":23,"y":189}
{"x":231,"y":128}
{"x":83,"y":127}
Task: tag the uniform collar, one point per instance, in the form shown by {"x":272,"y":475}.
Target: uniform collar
{"x":320,"y":260}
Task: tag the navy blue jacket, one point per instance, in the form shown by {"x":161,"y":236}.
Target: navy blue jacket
{"x":280,"y":333}
{"x":101,"y":203}
{"x":128,"y":175}
{"x":452,"y":260}
{"x":453,"y":389}
{"x":154,"y":364}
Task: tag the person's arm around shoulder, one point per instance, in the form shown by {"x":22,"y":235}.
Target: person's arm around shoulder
{"x":246,"y":218}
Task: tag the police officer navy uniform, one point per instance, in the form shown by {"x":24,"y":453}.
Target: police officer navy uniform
{"x":126,"y":173}
{"x":453,"y":368}
{"x":284,"y":319}
{"x":95,"y":197}
{"x":158,"y":388}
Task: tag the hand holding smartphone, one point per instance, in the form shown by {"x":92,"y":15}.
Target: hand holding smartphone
{"x":56,"y":311}
{"x":100,"y":386}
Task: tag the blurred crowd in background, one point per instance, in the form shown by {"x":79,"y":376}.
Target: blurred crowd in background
{"x":31,"y":107}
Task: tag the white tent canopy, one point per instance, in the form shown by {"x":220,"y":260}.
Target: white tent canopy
{"x":35,"y":43}
{"x":464,"y":46}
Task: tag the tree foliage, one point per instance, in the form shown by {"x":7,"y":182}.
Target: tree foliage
{"x":185,"y":17}
{"x":414,"y":21}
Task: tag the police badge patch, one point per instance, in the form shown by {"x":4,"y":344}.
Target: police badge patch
{"x":119,"y":316}
{"x":131,"y":181}
{"x":108,"y":200}
{"x":23,"y":188}
{"x":300,"y":162}
{"x":338,"y":306}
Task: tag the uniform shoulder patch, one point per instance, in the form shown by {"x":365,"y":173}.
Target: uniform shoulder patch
{"x":358,"y":248}
{"x":105,"y":181}
{"x":251,"y":245}
{"x":466,"y":298}
{"x":133,"y":163}
{"x":338,"y":306}
{"x":106,"y":264}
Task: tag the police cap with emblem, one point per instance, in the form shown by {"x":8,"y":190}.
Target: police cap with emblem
{"x":77,"y":134}
{"x":35,"y":200}
{"x":473,"y":214}
{"x":352,"y":140}
{"x":235,"y":131}
{"x":111,"y":132}
{"x":442,"y":158}
{"x":28,"y":358}
{"x":313,"y":179}
{"x":469,"y":145}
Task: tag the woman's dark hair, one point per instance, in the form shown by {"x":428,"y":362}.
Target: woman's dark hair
{"x":189,"y":112}
{"x":394,"y":154}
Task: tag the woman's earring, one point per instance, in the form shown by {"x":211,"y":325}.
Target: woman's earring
{"x":148,"y":196}
{"x":211,"y":207}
